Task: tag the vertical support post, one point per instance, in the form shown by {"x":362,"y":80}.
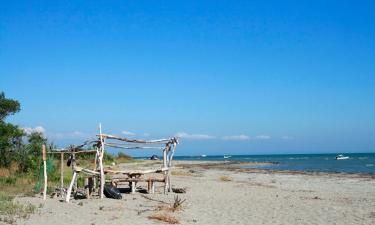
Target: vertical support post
{"x":44,"y":156}
{"x":91,"y":185}
{"x":165,"y":166}
{"x":133,"y":187}
{"x":87,"y":190}
{"x":152,"y":187}
{"x":62,"y":174}
{"x":149,"y":185}
{"x":170,"y":166}
{"x":102,"y":176}
{"x":73,"y":168}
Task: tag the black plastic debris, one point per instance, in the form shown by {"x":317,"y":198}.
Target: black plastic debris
{"x":111,"y":191}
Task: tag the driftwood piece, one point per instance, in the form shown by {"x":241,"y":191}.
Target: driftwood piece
{"x":44,"y":156}
{"x":61,"y":174}
{"x":159,"y":141}
{"x":136,"y":172}
{"x":69,"y":192}
{"x":102,"y":176}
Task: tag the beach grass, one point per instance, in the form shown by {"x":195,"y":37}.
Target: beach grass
{"x":181,"y":173}
{"x":11,"y":210}
{"x":225,"y":178}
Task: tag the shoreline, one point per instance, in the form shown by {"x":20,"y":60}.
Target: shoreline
{"x":232,"y":166}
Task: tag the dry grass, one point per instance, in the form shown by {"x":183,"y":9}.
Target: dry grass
{"x":182,"y":173}
{"x":225,"y":178}
{"x":164,"y":217}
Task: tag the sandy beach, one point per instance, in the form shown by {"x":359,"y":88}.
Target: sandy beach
{"x":226,"y":194}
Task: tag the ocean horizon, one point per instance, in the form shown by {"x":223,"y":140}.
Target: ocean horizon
{"x":357,"y":162}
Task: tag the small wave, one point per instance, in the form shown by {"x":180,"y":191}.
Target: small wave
{"x":362,"y":158}
{"x":369,"y":165}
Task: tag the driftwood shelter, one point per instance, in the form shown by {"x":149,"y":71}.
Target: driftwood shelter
{"x":97,"y":176}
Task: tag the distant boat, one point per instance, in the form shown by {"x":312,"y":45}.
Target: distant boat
{"x":341,"y":157}
{"x":227,"y":156}
{"x":203,"y":155}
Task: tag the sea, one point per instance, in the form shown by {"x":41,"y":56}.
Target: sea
{"x":357,"y":162}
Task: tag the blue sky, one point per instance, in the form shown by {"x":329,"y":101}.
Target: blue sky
{"x":244,"y":77}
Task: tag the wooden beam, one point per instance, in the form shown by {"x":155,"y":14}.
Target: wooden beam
{"x":160,"y":141}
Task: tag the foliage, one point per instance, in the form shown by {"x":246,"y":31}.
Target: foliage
{"x":10,"y":142}
{"x":15,"y":145}
{"x":8,"y":106}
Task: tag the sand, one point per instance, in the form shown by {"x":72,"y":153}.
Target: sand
{"x":251,"y":197}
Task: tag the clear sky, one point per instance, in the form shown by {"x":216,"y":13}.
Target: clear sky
{"x":230,"y":77}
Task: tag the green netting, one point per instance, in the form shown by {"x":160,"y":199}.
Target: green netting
{"x":40,"y":174}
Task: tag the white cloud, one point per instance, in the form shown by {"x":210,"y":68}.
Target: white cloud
{"x":240,"y":137}
{"x":128,"y":133}
{"x":184,"y":135}
{"x":70,"y":135}
{"x":38,"y":129}
{"x":287,"y":138}
{"x":263,"y":137}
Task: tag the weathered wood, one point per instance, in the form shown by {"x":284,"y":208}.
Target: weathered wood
{"x":159,"y":141}
{"x":133,"y":187}
{"x":69,"y":151}
{"x":71,"y":186}
{"x":73,"y":168}
{"x":126,"y":180}
{"x":87,"y":171}
{"x":62,"y":174}
{"x":136,"y":172}
{"x":102,"y":176}
{"x":132,"y":147}
{"x":91,"y":184}
{"x":44,"y":156}
{"x":87,"y":191}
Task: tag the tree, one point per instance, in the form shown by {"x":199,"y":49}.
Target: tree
{"x":8,"y":107}
{"x":28,"y":156}
{"x":10,"y":135}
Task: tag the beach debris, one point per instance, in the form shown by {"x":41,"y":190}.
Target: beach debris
{"x":101,"y":207}
{"x":80,"y":203}
{"x":79,"y":195}
{"x":111,"y":191}
{"x":177,"y":204}
{"x":179,"y":190}
{"x":165,"y":217}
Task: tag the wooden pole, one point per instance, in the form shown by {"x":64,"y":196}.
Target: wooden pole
{"x":102,"y":176}
{"x":44,"y":156}
{"x":62,"y":174}
{"x":165,"y":173}
{"x":73,"y":168}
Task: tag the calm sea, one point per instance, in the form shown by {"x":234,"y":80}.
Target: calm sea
{"x":357,"y":162}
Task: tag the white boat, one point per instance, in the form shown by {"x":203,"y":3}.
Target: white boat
{"x":227,"y":156}
{"x":341,"y":157}
{"x":203,"y":155}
